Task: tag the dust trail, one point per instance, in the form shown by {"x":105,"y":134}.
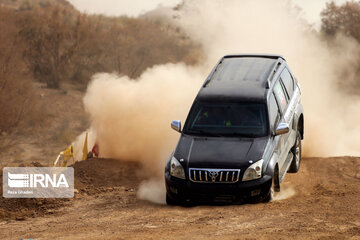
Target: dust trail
{"x":152,"y":190}
{"x":287,"y":191}
{"x":131,"y":118}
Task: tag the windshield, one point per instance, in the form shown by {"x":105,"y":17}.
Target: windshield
{"x":238,"y":119}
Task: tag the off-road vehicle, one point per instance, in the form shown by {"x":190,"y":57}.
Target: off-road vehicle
{"x":242,"y":135}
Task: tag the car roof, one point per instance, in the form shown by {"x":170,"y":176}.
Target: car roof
{"x":243,"y":77}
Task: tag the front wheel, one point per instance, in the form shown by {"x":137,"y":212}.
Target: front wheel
{"x":274,"y":189}
{"x":296,"y":150}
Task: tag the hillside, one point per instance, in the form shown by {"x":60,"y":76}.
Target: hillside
{"x":22,"y":5}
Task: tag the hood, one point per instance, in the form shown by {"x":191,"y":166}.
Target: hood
{"x":211,"y":152}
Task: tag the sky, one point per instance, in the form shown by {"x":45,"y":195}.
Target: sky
{"x":311,"y":8}
{"x":131,"y":8}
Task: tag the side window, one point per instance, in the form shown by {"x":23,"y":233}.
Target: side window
{"x":280,"y":95}
{"x":274,"y":111}
{"x":288,"y":82}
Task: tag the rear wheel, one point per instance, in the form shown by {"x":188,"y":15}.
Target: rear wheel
{"x":296,"y":150}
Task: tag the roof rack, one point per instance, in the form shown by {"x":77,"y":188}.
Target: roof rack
{"x":273,"y":71}
{"x":273,"y":56}
{"x":212,"y":72}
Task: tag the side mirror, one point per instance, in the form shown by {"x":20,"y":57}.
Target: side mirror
{"x":282,"y":128}
{"x":176,"y":125}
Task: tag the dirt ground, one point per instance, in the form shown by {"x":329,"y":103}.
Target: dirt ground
{"x":325,"y":206}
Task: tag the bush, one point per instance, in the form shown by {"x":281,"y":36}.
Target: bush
{"x":51,"y":39}
{"x":344,"y":18}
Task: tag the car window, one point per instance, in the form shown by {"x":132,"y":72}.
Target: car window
{"x":274,"y":111}
{"x":280,"y":95}
{"x":288,"y":82}
{"x":248,"y":119}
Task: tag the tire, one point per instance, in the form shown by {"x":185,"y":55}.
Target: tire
{"x":170,"y":201}
{"x":273,"y":191}
{"x":296,"y":150}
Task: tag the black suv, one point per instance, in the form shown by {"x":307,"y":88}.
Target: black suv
{"x":241,"y":136}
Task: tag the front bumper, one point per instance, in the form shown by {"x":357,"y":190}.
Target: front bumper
{"x":187,"y":191}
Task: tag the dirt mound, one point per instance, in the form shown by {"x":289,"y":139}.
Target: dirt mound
{"x":97,"y":175}
{"x":100,"y":172}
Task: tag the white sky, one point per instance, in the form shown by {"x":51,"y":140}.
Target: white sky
{"x":131,"y":8}
{"x":311,"y":8}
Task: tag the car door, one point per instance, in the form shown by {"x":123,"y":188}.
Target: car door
{"x":288,"y":85}
{"x":275,"y":118}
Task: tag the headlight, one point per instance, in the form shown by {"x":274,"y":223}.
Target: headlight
{"x":254,"y":171}
{"x":176,"y":170}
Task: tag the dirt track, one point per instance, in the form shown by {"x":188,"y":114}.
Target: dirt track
{"x":325,"y":206}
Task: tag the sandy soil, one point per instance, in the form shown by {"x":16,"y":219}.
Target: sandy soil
{"x":325,"y":206}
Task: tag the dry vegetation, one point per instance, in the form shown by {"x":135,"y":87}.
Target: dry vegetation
{"x":64,"y":45}
{"x":344,"y":19}
{"x":18,"y":103}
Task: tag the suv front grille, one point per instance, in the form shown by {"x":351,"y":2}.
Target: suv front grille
{"x":214,"y":175}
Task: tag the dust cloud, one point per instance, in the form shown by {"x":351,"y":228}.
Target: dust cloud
{"x":131,"y":117}
{"x":153,"y":190}
{"x":287,"y":191}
